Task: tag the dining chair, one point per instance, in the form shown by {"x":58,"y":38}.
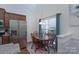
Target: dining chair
{"x":51,"y":42}
{"x":37,"y":43}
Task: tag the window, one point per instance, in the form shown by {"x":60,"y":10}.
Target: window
{"x":50,"y":25}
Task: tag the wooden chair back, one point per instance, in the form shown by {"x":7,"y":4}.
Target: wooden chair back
{"x":35,"y":40}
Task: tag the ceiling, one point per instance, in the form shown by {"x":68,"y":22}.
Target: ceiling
{"x":19,"y":8}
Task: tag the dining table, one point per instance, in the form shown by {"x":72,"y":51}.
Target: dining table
{"x":49,"y":41}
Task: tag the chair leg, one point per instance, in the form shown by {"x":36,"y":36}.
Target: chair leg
{"x":48,"y":51}
{"x":32,"y":46}
{"x":35,"y":50}
{"x":54,"y":49}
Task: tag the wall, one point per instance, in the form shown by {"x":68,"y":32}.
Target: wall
{"x":74,"y":25}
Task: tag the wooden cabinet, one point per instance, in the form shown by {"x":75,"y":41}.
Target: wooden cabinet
{"x":5,"y":39}
{"x":6,"y":16}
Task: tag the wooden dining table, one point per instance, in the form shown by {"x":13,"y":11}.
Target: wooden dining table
{"x":46,"y":41}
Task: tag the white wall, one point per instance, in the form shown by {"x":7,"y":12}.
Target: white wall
{"x":74,"y":25}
